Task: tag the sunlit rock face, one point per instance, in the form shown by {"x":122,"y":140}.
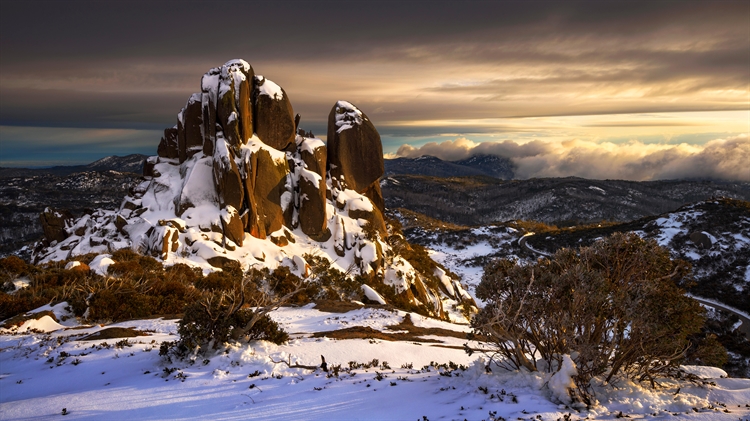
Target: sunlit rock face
{"x":232,"y":180}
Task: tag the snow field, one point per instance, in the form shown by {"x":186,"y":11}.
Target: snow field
{"x":41,"y":373}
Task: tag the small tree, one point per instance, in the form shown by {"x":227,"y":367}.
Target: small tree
{"x":615,"y":307}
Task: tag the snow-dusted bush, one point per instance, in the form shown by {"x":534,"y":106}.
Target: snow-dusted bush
{"x":238,"y":313}
{"x":329,"y":283}
{"x":615,"y":307}
{"x":216,"y":320}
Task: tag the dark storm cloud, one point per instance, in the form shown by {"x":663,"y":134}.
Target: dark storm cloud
{"x":614,"y":42}
{"x":133,"y":64}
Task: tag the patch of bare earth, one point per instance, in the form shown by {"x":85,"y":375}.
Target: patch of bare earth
{"x":404,"y":331}
{"x":114,"y":333}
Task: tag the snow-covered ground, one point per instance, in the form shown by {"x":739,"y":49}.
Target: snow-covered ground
{"x":467,"y":258}
{"x":46,"y":366}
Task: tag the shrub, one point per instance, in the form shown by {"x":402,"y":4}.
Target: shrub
{"x":124,"y":303}
{"x":614,"y":307}
{"x":282,"y":282}
{"x":237,"y":314}
{"x":170,"y":296}
{"x":215,"y":281}
{"x":223,"y":280}
{"x":216,"y":319}
{"x":329,"y":283}
{"x":133,"y":266}
{"x":183,"y":273}
{"x":11,"y":268}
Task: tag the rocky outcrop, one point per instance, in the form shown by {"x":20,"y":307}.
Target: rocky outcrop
{"x":355,"y":158}
{"x":190,"y":128}
{"x":270,"y":190}
{"x":54,"y":224}
{"x":234,"y":181}
{"x":314,"y":154}
{"x":169,"y":145}
{"x":355,"y":154}
{"x":701,"y":240}
{"x":227,"y":178}
{"x":235,"y":113}
{"x":312,"y":205}
{"x":274,"y":115}
{"x":313,"y":215}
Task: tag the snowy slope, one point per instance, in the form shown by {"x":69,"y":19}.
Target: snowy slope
{"x":118,"y":379}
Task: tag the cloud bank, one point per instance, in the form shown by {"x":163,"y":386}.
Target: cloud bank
{"x":719,"y":159}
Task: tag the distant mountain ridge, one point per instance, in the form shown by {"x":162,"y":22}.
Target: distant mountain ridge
{"x":487,"y":165}
{"x":480,"y":200}
{"x":129,"y":163}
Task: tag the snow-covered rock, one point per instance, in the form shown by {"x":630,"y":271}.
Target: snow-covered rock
{"x":233,"y":182}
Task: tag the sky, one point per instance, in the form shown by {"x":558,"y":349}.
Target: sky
{"x":607,"y":89}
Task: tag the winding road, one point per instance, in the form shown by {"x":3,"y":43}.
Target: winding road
{"x":744,"y":327}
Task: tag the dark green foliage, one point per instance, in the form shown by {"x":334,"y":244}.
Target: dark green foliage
{"x":12,"y":268}
{"x":717,"y":274}
{"x":183,"y":273}
{"x":719,"y":333}
{"x":48,"y":284}
{"x":265,"y":329}
{"x":223,"y":280}
{"x":137,"y":287}
{"x":11,"y":305}
{"x":215,"y":281}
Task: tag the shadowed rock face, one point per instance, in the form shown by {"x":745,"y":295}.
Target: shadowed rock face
{"x":355,"y":159}
{"x":54,"y":223}
{"x":209,"y":97}
{"x":232,"y":226}
{"x":312,"y":206}
{"x":314,"y":154}
{"x":701,"y":240}
{"x":190,"y":128}
{"x":169,"y":147}
{"x":227,"y":179}
{"x":274,"y":115}
{"x":355,"y":154}
{"x":235,"y":112}
{"x":312,"y":189}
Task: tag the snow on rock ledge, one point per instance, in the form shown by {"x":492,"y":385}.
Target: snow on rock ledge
{"x":233,"y":181}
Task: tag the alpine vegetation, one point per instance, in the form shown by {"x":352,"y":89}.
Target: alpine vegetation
{"x":612,"y":309}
